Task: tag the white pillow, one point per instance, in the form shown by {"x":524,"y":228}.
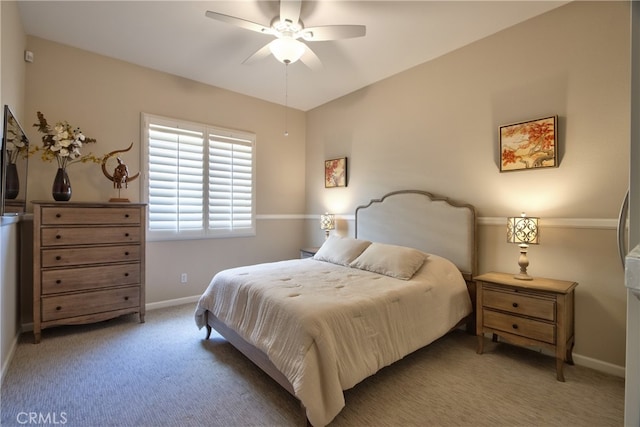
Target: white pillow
{"x":391,"y":260}
{"x":341,"y":250}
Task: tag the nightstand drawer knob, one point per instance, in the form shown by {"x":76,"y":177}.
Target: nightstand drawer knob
{"x":58,"y":281}
{"x":58,"y":236}
{"x":515,"y":305}
{"x":514,"y":326}
{"x":58,"y":308}
{"x":58,"y":258}
{"x":126,"y":298}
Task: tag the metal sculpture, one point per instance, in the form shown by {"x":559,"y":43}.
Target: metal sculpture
{"x":120,"y":175}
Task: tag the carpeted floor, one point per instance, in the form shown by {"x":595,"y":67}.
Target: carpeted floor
{"x":163,"y":373}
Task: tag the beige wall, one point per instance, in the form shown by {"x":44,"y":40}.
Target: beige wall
{"x":434,"y":127}
{"x":105,"y":98}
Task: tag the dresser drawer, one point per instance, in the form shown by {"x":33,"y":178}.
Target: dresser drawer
{"x":53,"y":215}
{"x":60,"y":257}
{"x":75,"y":279}
{"x":89,"y":236}
{"x":519,"y":303}
{"x":86,"y":303}
{"x":522,"y":326}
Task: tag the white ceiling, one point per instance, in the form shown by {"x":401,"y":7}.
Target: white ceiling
{"x":177,"y":38}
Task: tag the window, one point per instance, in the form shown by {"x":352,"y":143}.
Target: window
{"x":200,"y":180}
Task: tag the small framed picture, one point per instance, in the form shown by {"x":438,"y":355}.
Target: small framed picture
{"x":529,"y":145}
{"x":335,"y":173}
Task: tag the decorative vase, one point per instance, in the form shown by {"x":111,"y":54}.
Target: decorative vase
{"x":61,"y":186}
{"x":12,"y":187}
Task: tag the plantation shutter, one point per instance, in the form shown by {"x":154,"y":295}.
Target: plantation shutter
{"x":230,"y":182}
{"x":176,"y":178}
{"x":200,"y":180}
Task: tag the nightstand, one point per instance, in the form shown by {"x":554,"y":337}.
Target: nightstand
{"x":536,"y":313}
{"x":308,"y":252}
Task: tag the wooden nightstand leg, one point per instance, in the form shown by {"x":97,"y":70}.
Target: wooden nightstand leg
{"x":480,"y":344}
{"x":559,"y":366}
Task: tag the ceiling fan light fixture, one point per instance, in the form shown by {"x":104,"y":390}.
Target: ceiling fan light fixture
{"x":286,"y":49}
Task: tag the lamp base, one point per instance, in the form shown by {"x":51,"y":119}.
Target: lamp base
{"x":523,"y":262}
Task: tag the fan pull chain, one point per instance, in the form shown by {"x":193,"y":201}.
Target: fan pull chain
{"x":286,"y":98}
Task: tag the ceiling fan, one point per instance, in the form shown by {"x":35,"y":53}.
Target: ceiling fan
{"x":289,"y":31}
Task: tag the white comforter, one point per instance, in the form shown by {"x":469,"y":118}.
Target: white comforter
{"x":327,"y":327}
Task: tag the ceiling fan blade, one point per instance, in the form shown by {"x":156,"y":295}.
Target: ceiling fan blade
{"x":239,"y":22}
{"x":310,"y":59}
{"x":261,"y":53}
{"x":290,"y":10}
{"x":333,"y":32}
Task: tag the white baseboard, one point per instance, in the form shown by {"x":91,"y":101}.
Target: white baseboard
{"x":172,"y":302}
{"x":599,"y":365}
{"x":9,"y":358}
{"x":587,"y":362}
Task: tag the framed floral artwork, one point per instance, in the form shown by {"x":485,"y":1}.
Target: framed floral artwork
{"x":335,"y":173}
{"x":529,"y":145}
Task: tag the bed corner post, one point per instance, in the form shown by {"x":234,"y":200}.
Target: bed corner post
{"x":206,"y":314}
{"x":471,"y":322}
{"x":303,"y":411}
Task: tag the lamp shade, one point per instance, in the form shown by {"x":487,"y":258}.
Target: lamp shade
{"x":327,"y":222}
{"x":523,"y":230}
{"x":286,"y":49}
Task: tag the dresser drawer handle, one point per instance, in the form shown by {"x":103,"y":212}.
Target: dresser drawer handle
{"x":514,"y":326}
{"x":58,"y":258}
{"x":515,"y":305}
{"x":58,"y":281}
{"x":126,"y":274}
{"x":58,"y":308}
{"x":58,"y":236}
{"x":126,"y":215}
{"x":58,"y":215}
{"x":126,"y":298}
{"x":126,"y":234}
{"x":126,"y":253}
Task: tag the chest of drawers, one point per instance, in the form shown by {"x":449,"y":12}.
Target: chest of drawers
{"x":537,"y":313}
{"x":88,"y":262}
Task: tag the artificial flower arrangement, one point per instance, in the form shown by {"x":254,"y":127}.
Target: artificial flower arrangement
{"x":63,"y":143}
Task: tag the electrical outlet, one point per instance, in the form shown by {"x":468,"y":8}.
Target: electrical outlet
{"x":183,"y":278}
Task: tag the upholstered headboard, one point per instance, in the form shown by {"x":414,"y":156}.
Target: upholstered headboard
{"x":424,"y":221}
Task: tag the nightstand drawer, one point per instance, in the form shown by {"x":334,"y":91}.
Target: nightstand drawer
{"x":521,"y":326}
{"x":514,"y":302}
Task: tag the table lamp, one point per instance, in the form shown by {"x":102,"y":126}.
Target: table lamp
{"x":327,"y":223}
{"x":524,"y":231}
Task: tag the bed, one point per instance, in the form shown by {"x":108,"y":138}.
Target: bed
{"x":319,"y":326}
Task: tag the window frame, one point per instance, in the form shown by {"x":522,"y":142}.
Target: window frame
{"x":205,"y":232}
